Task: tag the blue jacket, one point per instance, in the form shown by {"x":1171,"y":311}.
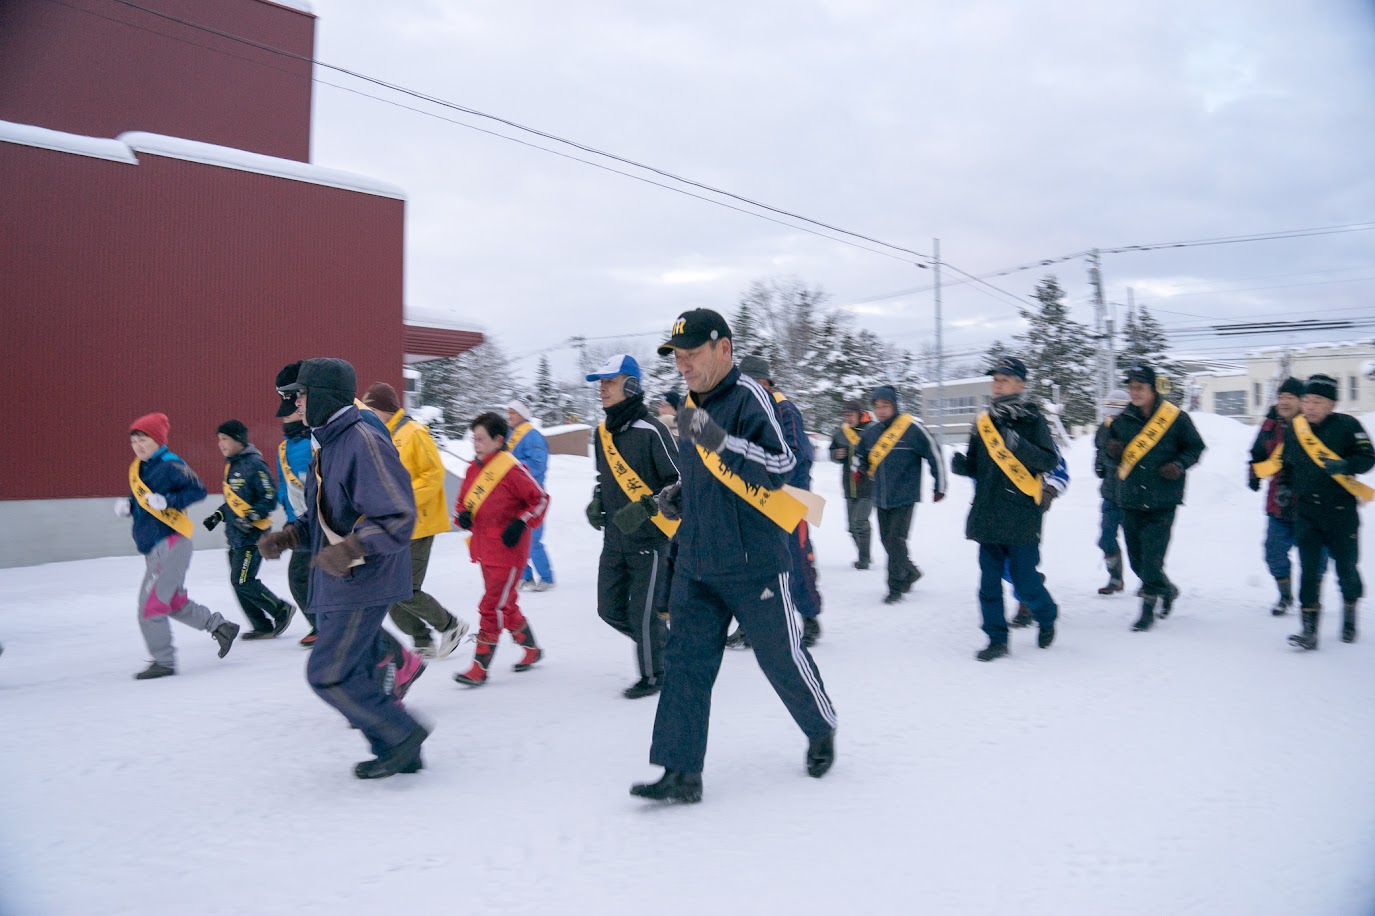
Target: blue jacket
{"x":298,"y":454}
{"x":167,"y":474}
{"x":898,"y":479}
{"x":723,"y":537}
{"x":795,"y":435}
{"x":533,"y":451}
{"x":366,"y":492}
{"x":252,"y":482}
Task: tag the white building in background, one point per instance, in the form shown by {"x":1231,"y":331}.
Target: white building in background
{"x":954,"y":416}
{"x":1246,"y":392}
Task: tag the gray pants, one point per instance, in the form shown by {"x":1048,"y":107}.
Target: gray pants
{"x":163,"y":595}
{"x":421,"y":608}
{"x":859,"y":511}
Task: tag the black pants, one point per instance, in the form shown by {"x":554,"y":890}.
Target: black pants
{"x":1336,"y":529}
{"x":701,"y":614}
{"x":893,"y":526}
{"x":627,"y":586}
{"x":298,"y":577}
{"x":259,"y":605}
{"x":420,"y":611}
{"x":1148,"y":537}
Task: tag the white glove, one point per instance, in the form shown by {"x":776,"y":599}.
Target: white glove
{"x":157,"y":502}
{"x":122,"y":507}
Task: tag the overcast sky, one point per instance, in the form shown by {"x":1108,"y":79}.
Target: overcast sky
{"x":1013,"y":131}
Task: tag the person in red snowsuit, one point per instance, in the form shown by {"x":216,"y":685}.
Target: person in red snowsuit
{"x":498,"y":504}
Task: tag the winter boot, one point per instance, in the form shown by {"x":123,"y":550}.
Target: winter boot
{"x":476,"y":675}
{"x":155,"y":670}
{"x":862,"y":563}
{"x":404,"y":758}
{"x":1307,"y":638}
{"x":1115,"y":583}
{"x":644,"y":687}
{"x":1045,"y":636}
{"x":892,"y":597}
{"x":995,"y":650}
{"x":1167,"y":603}
{"x":811,"y":631}
{"x":283,"y":618}
{"x":912,"y":580}
{"x":739,"y":639}
{"x":450,"y":638}
{"x":1349,"y":622}
{"x":526,"y":640}
{"x":224,"y":635}
{"x":821,"y":753}
{"x":673,"y":787}
{"x":1023,"y":617}
{"x":1286,"y":599}
{"x":1147,"y":618}
{"x":259,"y":634}
{"x":308,"y":640}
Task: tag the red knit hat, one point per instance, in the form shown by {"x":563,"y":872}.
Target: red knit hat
{"x":154,"y":425}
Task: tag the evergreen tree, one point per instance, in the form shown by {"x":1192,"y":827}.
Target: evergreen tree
{"x":1058,"y":351}
{"x":464,"y":386}
{"x":1144,"y":341}
{"x":549,"y":400}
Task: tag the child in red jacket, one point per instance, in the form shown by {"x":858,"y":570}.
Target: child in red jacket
{"x":499,"y":503}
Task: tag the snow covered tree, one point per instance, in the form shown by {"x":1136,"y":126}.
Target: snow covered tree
{"x":549,"y":400}
{"x":1058,"y":351}
{"x":465,"y":385}
{"x":1144,"y":341}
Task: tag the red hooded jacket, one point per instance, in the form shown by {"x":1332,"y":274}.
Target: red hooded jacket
{"x":516,"y":497}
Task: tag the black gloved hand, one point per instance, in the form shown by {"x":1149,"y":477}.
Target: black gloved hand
{"x":1337,"y":466}
{"x":1254,"y":483}
{"x":273,"y":543}
{"x":596,"y":515}
{"x":464,"y":520}
{"x":1098,"y":470}
{"x":212,"y":521}
{"x":633,"y":515}
{"x":959,"y":464}
{"x":1048,"y":495}
{"x":698,"y":426}
{"x":670,"y":501}
{"x":1115,"y":448}
{"x":1171,"y":470}
{"x":511,"y":536}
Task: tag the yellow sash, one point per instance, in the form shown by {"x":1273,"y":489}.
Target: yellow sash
{"x":493,"y":471}
{"x":518,"y":434}
{"x":1270,"y":466}
{"x":239,"y":505}
{"x":885,"y":442}
{"x":850,"y":435}
{"x":175,"y":519}
{"x":630,"y":483}
{"x":778,"y":506}
{"x":1027,"y":482}
{"x":1150,"y":434}
{"x":1320,"y":453}
{"x":287,"y":472}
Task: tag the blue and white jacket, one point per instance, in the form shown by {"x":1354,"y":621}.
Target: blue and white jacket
{"x":533,"y":451}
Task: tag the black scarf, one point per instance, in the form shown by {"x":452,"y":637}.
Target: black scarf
{"x":294,"y":429}
{"x":620,"y":416}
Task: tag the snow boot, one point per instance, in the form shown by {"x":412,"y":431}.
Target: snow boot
{"x":1147,"y":618}
{"x":995,"y":650}
{"x":1045,"y":636}
{"x":404,"y":758}
{"x":673,"y":787}
{"x":862,"y":563}
{"x":1286,"y":599}
{"x":892,"y":597}
{"x":450,"y":638}
{"x":258,"y":634}
{"x":644,"y":687}
{"x":224,"y":635}
{"x":739,"y":639}
{"x":155,"y":670}
{"x":1167,"y":603}
{"x":916,"y":577}
{"x":1307,"y":638}
{"x":526,"y":640}
{"x":821,"y":753}
{"x":1022,"y":619}
{"x":1115,"y":583}
{"x":811,"y":631}
{"x":1349,"y":622}
{"x":476,"y":675}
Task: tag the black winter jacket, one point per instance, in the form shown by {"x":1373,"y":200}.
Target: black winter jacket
{"x":646,"y":445}
{"x":1144,"y":489}
{"x":853,"y":488}
{"x":897,"y":482}
{"x":1313,"y":490}
{"x":1000,"y":513}
{"x":251,"y":481}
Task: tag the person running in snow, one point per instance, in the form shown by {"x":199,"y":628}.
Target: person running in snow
{"x":890,"y":453}
{"x":854,"y":483}
{"x":500,"y":504}
{"x":634,"y":456}
{"x":1321,"y":455}
{"x":528,"y":446}
{"x":1010,"y":448}
{"x":1265,"y":463}
{"x":420,"y":455}
{"x":162,"y":487}
{"x":1056,"y":483}
{"x":360,"y":513}
{"x":250,"y":497}
{"x":1110,"y":516}
{"x":293,"y":463}
{"x":1149,"y":448}
{"x":733,"y":560}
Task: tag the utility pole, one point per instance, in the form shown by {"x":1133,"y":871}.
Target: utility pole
{"x":940,"y":348}
{"x":1103,"y":383}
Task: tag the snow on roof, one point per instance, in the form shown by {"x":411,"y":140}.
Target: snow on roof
{"x":1301,"y":348}
{"x":442,"y":319}
{"x":959,"y":381}
{"x":300,"y":6}
{"x":41,"y":137}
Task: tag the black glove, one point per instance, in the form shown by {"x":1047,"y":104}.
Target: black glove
{"x":464,"y":520}
{"x":839,"y":454}
{"x":1254,"y":483}
{"x":1114,"y":448}
{"x":1337,"y":466}
{"x":511,"y":536}
{"x":1098,"y":469}
{"x":959,"y":464}
{"x":1171,"y":470}
{"x":699,"y":427}
{"x":337,"y":559}
{"x":273,"y":543}
{"x":938,"y":497}
{"x":1283,"y":496}
{"x":670,"y":501}
{"x":596,"y":516}
{"x":1011,"y":439}
{"x":212,"y":521}
{"x":242,"y":524}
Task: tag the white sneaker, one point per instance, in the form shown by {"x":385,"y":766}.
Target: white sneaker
{"x":425,"y":651}
{"x":450,"y":638}
{"x":541,"y":586}
{"x":525,"y":585}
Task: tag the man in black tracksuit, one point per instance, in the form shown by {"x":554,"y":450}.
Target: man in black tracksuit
{"x":1153,"y":488}
{"x":854,"y":483}
{"x":897,"y":483}
{"x":634,"y":547}
{"x":250,"y":482}
{"x":733,"y":560}
{"x":1325,"y":514}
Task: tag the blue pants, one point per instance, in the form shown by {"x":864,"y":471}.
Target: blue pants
{"x":701,"y":613}
{"x":1020,"y":560}
{"x":806,"y":597}
{"x":539,"y":560}
{"x":1111,"y":520}
{"x":347,"y":671}
{"x":1279,"y":540}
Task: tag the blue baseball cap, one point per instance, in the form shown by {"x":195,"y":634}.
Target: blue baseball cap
{"x":621,"y":364}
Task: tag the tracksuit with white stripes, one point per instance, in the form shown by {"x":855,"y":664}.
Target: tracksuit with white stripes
{"x":732,"y":561}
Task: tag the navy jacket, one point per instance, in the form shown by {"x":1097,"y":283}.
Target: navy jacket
{"x":366,"y":492}
{"x":722,"y":536}
{"x":795,"y":436}
{"x":1103,"y":465}
{"x":167,"y":474}
{"x":1145,"y":490}
{"x":898,"y":480}
{"x":1000,"y":513}
{"x":250,"y":479}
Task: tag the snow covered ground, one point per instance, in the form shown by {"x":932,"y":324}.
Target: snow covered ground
{"x":1202,"y":768}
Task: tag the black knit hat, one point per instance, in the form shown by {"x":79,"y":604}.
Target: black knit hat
{"x":1291,"y":386}
{"x":1324,"y":386}
{"x":851,"y":406}
{"x":756,"y":367}
{"x":234,"y":430}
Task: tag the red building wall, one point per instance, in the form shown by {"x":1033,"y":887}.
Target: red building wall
{"x":98,"y":68}
{"x":177,"y":287}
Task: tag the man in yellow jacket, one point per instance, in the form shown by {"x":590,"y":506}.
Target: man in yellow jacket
{"x":420,"y":456}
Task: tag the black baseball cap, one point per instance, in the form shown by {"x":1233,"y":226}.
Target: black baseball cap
{"x":1009,"y":365}
{"x":1141,"y":373}
{"x":694,"y":328}
{"x":288,"y":388}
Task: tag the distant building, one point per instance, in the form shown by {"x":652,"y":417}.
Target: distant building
{"x":954,"y":415}
{"x":1247,"y":390}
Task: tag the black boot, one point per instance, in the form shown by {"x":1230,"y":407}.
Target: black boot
{"x":1045,"y":636}
{"x":283,"y":618}
{"x":811,"y":631}
{"x":1307,"y":638}
{"x":155,"y":670}
{"x":672,"y":787}
{"x":1147,"y":618}
{"x":995,"y":650}
{"x":404,"y":758}
{"x":1349,"y":622}
{"x":644,"y":687}
{"x":893,"y":597}
{"x":1115,"y":584}
{"x":739,"y":639}
{"x":224,"y":635}
{"x":821,"y":753}
{"x":1023,"y":617}
{"x":1286,"y":599}
{"x":1167,"y":603}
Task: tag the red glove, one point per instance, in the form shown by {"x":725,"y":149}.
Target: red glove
{"x":336,"y":559}
{"x":857,"y":476}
